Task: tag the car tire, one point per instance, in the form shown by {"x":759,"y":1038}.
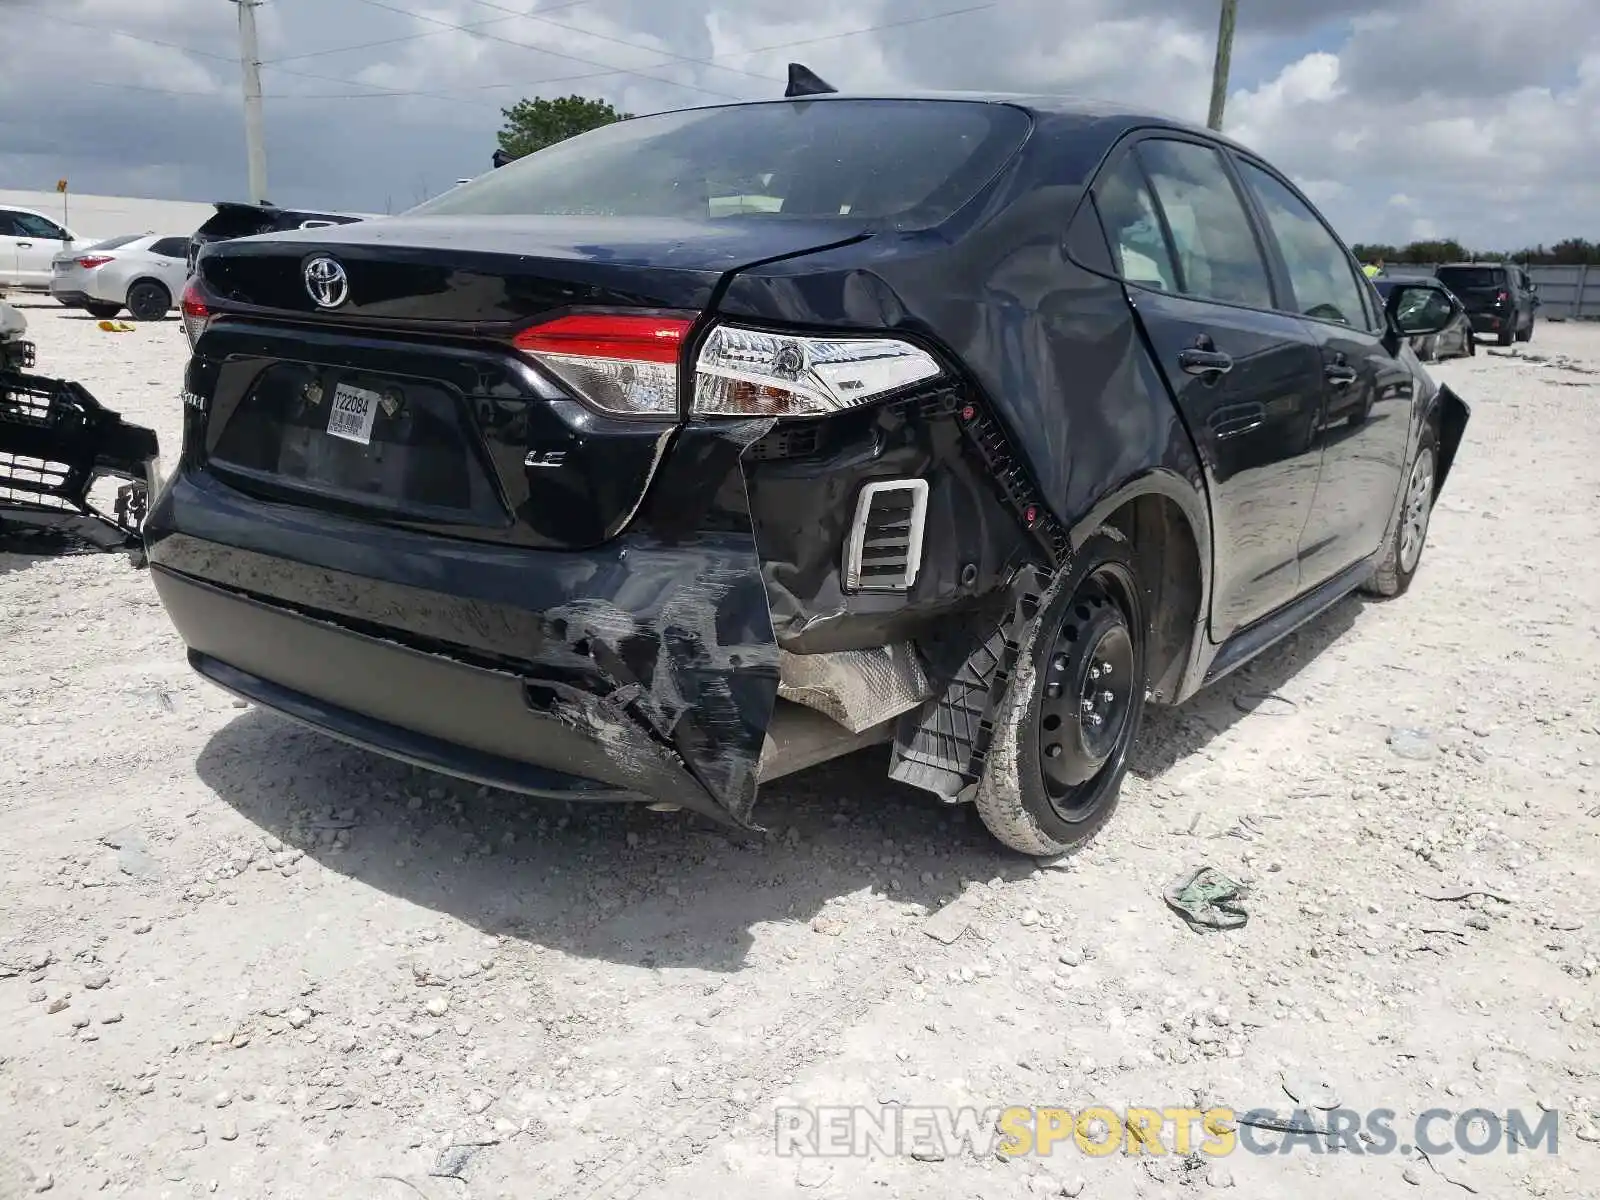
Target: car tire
{"x":1403,"y":553}
{"x":103,"y":312}
{"x":148,"y":301}
{"x":1526,"y":335}
{"x":1506,"y":335}
{"x":1472,"y":344}
{"x":1094,"y":617}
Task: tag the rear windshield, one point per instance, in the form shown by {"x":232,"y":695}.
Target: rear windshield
{"x":1460,"y":278}
{"x":117,"y":243}
{"x":909,"y":163}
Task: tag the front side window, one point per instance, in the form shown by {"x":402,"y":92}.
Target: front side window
{"x":1216,"y":245}
{"x":29,"y":225}
{"x":1320,"y":272}
{"x":1133,"y":228}
{"x":906,"y":163}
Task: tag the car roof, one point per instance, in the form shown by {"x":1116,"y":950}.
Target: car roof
{"x":1446,"y":266}
{"x":1112,"y":117}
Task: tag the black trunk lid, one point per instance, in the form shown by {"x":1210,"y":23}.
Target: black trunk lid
{"x":407,"y":403}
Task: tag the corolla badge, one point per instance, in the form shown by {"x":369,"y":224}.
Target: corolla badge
{"x":327,"y":282}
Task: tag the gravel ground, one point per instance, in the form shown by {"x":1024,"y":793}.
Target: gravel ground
{"x":239,"y":959}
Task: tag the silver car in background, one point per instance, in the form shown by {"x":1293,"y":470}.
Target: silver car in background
{"x":143,"y":273}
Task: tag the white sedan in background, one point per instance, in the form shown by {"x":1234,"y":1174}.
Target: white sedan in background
{"x":29,"y":241}
{"x":143,"y":273}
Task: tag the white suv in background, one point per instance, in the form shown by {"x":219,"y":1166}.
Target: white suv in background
{"x":29,"y":241}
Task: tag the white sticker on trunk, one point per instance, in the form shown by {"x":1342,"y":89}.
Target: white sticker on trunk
{"x":354,"y":410}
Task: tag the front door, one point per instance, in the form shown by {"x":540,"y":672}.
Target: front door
{"x":9,"y":269}
{"x":38,"y":242}
{"x":1366,"y":425}
{"x":1247,"y":379}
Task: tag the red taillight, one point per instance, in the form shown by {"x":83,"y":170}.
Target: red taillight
{"x":1502,"y":297}
{"x":90,"y":261}
{"x":619,"y":363}
{"x":196,"y":316}
{"x":642,"y":339}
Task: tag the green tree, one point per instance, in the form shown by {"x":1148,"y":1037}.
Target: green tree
{"x":534,"y":124}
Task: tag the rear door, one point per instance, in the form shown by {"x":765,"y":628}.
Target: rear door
{"x":172,"y":262}
{"x":1366,"y":412}
{"x":1247,"y":378}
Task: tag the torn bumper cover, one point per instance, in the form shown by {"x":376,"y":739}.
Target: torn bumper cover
{"x":646,"y":666}
{"x":56,"y":443}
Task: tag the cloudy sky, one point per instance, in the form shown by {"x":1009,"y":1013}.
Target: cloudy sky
{"x":1402,"y":118}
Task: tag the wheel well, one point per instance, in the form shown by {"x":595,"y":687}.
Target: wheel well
{"x":150,"y":279}
{"x":1169,"y":568}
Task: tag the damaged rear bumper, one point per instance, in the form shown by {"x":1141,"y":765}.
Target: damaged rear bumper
{"x":645,"y":667}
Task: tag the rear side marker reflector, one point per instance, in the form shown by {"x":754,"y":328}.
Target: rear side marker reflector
{"x":620,"y":364}
{"x":884,"y":550}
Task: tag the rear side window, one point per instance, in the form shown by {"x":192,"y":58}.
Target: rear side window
{"x":906,"y":163}
{"x":172,"y":247}
{"x":1320,"y":272}
{"x":1216,"y":245}
{"x":1139,"y":248}
{"x":116,"y":243}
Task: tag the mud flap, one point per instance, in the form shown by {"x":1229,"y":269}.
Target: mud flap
{"x":56,"y":441}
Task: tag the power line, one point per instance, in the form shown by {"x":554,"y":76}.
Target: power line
{"x":413,"y":37}
{"x":377,"y":89}
{"x":833,"y":37}
{"x":616,"y":41}
{"x":609,"y":68}
{"x":132,"y":37}
{"x":954,"y":12}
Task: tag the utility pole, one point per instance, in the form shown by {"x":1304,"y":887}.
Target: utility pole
{"x":250,"y":61}
{"x":1219,"y":71}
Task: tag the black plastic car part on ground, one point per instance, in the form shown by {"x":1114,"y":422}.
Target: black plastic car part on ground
{"x":583,"y":482}
{"x":56,"y":442}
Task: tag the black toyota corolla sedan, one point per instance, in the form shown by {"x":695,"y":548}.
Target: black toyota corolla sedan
{"x":709,"y":445}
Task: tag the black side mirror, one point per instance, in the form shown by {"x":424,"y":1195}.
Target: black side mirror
{"x":1417,"y":310}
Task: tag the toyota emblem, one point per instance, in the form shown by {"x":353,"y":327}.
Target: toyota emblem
{"x":327,"y":282}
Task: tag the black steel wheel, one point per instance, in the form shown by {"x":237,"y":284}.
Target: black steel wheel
{"x":1062,"y":736}
{"x":148,"y":301}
